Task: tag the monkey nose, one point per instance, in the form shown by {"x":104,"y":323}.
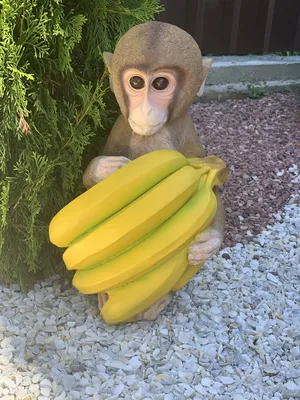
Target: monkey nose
{"x":147,"y":111}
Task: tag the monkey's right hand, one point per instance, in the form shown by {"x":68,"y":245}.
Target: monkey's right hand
{"x":101,"y":167}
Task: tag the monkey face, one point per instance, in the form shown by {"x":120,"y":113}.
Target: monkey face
{"x":145,"y":58}
{"x":149,"y":97}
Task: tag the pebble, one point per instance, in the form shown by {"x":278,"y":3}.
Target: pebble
{"x":34,"y":388}
{"x":118,"y":389}
{"x":135,"y":363}
{"x":3,"y":322}
{"x":45,"y":390}
{"x":226,"y":380}
{"x":290,"y":385}
{"x":36,"y":378}
{"x":68,"y":382}
{"x":184,"y":337}
{"x":164,"y":332}
{"x":117,"y":365}
{"x":206,"y":382}
{"x":90,"y":391}
{"x":295,"y":351}
{"x":46,"y":383}
{"x":59,"y":344}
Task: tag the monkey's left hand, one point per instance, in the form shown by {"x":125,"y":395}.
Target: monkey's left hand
{"x":206,"y":245}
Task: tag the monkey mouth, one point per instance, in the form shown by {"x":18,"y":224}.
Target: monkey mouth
{"x":131,"y":121}
{"x":146,"y":129}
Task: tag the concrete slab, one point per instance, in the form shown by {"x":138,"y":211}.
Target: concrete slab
{"x":233,"y":74}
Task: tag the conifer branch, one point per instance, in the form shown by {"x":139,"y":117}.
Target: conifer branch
{"x":114,"y":11}
{"x":92,"y":100}
{"x":53,"y":86}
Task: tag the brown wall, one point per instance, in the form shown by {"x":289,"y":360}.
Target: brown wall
{"x":237,"y":26}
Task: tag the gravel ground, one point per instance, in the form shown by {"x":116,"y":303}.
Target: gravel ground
{"x":233,"y":333}
{"x":259,"y":140}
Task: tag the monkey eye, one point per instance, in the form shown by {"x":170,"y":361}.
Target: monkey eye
{"x":160,"y":83}
{"x":137,"y":82}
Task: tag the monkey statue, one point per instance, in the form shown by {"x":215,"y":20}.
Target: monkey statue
{"x":156,"y":72}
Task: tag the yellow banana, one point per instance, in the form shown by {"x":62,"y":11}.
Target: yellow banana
{"x":127,"y":301}
{"x":134,"y":222}
{"x":177,"y":232}
{"x":186,"y":277}
{"x":129,"y":235}
{"x":112,"y":194}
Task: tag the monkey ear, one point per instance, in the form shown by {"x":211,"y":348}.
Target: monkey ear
{"x":206,"y":64}
{"x":108,"y":60}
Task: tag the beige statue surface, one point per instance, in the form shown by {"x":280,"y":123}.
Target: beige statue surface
{"x":156,"y":72}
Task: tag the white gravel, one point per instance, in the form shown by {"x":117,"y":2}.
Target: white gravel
{"x":232,"y":333}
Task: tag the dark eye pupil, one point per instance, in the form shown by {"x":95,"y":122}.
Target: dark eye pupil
{"x":136,"y":82}
{"x":160,"y":83}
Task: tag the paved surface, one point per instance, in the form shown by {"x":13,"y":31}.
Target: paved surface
{"x":233,"y":74}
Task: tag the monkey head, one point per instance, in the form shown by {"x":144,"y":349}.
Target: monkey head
{"x":156,"y":72}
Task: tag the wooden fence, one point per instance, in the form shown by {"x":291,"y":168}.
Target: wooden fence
{"x":237,"y":26}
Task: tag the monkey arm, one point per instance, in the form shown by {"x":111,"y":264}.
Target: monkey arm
{"x":100,"y":168}
{"x":189,"y":143}
{"x":114,"y":155}
{"x":219,"y":220}
{"x":208,"y":243}
{"x":118,"y":142}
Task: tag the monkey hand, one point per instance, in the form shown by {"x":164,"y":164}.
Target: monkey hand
{"x":148,"y":315}
{"x":152,"y":312}
{"x":206,"y":245}
{"x":100,"y":168}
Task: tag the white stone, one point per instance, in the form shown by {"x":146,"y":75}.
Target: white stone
{"x":200,"y":389}
{"x":101,"y":368}
{"x":215,"y":310}
{"x":135,"y":363}
{"x":226,"y":380}
{"x":118,"y":389}
{"x":34,"y":387}
{"x":117,"y":365}
{"x":184,"y":337}
{"x":46,"y":383}
{"x":164,"y":332}
{"x":89,"y":390}
{"x":84,"y":382}
{"x":59,"y":344}
{"x":68,"y":382}
{"x":238,"y":396}
{"x":62,"y":396}
{"x":45,"y":390}
{"x":3,"y":322}
{"x":5,"y":359}
{"x":21,"y":393}
{"x":295,"y":351}
{"x":273,"y":278}
{"x":290,"y":385}
{"x":206,"y":382}
{"x":37,"y":377}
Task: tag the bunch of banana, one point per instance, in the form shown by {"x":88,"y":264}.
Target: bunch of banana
{"x":128,"y":236}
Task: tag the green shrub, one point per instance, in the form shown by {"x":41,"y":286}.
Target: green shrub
{"x":55,"y":110}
